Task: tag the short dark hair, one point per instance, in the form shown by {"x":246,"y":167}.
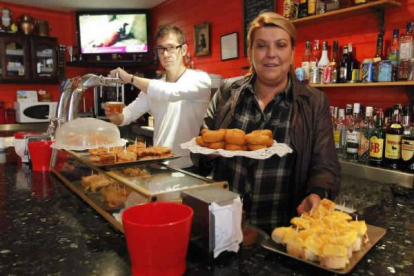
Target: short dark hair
{"x":169,"y":29}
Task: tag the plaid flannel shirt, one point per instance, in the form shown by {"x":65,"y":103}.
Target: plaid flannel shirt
{"x":262,"y":183}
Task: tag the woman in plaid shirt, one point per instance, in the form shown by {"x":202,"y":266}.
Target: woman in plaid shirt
{"x":271,"y":97}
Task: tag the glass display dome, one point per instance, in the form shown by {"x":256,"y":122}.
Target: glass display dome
{"x":87,"y":133}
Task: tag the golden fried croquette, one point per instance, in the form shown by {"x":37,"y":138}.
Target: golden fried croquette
{"x":235,"y":136}
{"x":235,"y":147}
{"x":255,"y":147}
{"x":216,"y":145}
{"x":212,"y":136}
{"x":257,"y":139}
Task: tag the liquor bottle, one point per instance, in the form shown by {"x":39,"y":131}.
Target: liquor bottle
{"x":393,"y":138}
{"x":337,"y":130}
{"x":406,"y":120}
{"x":288,"y":9}
{"x":352,"y":135}
{"x":352,"y":64}
{"x":407,"y":146}
{"x":394,"y":52}
{"x":311,"y":7}
{"x":314,"y":76}
{"x":405,"y":54}
{"x":316,"y":53}
{"x":367,"y":126}
{"x":341,"y":126}
{"x":303,"y":8}
{"x":334,"y":62}
{"x":376,"y":152}
{"x":324,"y":73}
{"x":387,"y":118}
{"x":306,"y":59}
{"x":320,"y":6}
{"x":380,"y":43}
{"x":343,"y":65}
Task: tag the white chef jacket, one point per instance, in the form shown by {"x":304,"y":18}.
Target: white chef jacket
{"x":178,"y":109}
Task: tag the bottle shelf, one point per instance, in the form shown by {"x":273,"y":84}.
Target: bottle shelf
{"x":346,"y":12}
{"x":379,"y":174}
{"x":365,"y":84}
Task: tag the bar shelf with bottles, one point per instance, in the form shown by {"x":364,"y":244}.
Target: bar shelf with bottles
{"x":395,"y":68}
{"x":334,"y":9}
{"x":375,"y":144}
{"x":364,"y":84}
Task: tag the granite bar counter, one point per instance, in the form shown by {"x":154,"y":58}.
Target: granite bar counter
{"x":48,"y":230}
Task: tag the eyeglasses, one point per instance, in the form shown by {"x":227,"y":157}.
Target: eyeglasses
{"x":169,"y":49}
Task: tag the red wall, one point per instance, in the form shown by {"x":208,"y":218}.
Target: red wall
{"x":227,"y":16}
{"x":62,"y":25}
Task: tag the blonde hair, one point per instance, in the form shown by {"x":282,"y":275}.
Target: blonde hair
{"x":269,"y":19}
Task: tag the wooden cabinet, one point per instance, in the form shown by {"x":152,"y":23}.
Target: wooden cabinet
{"x":29,"y":59}
{"x":44,"y":59}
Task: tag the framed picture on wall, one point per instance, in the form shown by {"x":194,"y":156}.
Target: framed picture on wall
{"x":202,"y":39}
{"x":229,"y":48}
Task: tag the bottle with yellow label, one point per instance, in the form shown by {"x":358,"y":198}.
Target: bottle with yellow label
{"x":393,"y":139}
{"x":407,"y":146}
{"x":377,"y":139}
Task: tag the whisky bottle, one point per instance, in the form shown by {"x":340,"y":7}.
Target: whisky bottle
{"x":343,"y":65}
{"x":407,"y":144}
{"x":376,"y":152}
{"x":334,"y":63}
{"x":393,"y":139}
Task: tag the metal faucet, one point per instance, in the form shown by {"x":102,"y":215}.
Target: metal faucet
{"x":67,"y":108}
{"x":87,"y":81}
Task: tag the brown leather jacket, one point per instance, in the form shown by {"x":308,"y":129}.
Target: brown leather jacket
{"x":316,"y":165}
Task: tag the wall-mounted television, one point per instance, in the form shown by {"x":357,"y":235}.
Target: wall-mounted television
{"x":113,"y":32}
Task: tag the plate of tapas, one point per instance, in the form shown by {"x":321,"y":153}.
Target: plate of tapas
{"x":134,"y":154}
{"x":104,"y":191}
{"x":329,"y":239}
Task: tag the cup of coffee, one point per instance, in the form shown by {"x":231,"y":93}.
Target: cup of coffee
{"x":115,"y":107}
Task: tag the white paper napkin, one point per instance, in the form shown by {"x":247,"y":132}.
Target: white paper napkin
{"x":228,"y":232}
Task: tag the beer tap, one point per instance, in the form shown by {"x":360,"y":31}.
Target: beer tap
{"x":117,"y":86}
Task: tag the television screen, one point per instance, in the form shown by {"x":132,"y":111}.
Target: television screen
{"x":113,"y":32}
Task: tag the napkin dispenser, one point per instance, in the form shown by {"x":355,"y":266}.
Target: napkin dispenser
{"x":217,"y":220}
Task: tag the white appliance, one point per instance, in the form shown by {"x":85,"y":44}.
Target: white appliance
{"x":34,"y":112}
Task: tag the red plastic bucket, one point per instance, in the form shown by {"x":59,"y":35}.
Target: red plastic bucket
{"x":40,"y":154}
{"x":157,"y":236}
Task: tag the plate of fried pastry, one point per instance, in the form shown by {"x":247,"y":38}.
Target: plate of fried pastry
{"x":136,"y":153}
{"x":329,"y":239}
{"x":258,"y":144}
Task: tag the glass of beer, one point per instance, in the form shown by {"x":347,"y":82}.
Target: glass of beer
{"x":115,"y":107}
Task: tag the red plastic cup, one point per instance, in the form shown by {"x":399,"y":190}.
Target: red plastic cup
{"x":40,"y":154}
{"x":157,"y":236}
